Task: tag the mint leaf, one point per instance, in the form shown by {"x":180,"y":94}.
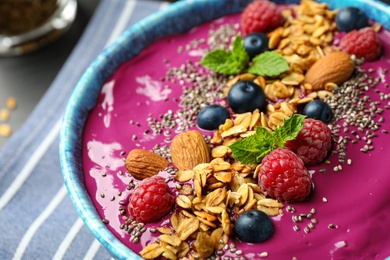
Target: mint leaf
{"x":239,"y":51}
{"x":249,"y":150}
{"x":253,"y":148}
{"x":226,"y":62}
{"x":289,"y":130}
{"x":220,"y":61}
{"x":269,"y":63}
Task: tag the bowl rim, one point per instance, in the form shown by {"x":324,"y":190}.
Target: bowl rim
{"x":127,"y":46}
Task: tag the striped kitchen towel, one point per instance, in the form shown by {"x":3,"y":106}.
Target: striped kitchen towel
{"x":38,"y":219}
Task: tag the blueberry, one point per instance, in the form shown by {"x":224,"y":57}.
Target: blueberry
{"x":212,"y":116}
{"x":318,"y":109}
{"x":255,"y":43}
{"x":253,"y":226}
{"x":351,"y":18}
{"x":246,"y":96}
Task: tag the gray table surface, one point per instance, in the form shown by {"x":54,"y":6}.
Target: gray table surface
{"x":26,"y":78}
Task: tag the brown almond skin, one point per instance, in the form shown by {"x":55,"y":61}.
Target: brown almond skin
{"x":189,"y":149}
{"x":142,"y":163}
{"x":336,"y":67}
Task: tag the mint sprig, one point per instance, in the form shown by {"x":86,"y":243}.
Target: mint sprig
{"x":228,"y":62}
{"x":236,"y":61}
{"x":253,"y":148}
{"x":269,"y":63}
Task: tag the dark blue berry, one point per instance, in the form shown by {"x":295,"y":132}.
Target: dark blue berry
{"x":246,"y":96}
{"x":318,"y":109}
{"x":255,"y":43}
{"x":350,"y":18}
{"x":253,"y":226}
{"x":212,"y":116}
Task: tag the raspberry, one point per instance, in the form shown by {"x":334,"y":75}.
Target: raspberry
{"x":283,"y":176}
{"x":363,"y":43}
{"x":312,"y":143}
{"x":150,"y":200}
{"x":261,"y":16}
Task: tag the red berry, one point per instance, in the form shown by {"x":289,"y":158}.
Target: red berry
{"x":363,"y":43}
{"x":312,"y":143}
{"x":150,"y":200}
{"x":284,"y":177}
{"x":261,"y":16}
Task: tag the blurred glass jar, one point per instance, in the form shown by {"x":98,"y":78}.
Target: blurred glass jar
{"x":27,"y":25}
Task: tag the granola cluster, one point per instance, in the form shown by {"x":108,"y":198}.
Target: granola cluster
{"x":221,"y":190}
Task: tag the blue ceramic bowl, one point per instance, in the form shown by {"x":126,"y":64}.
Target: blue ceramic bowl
{"x":177,"y":18}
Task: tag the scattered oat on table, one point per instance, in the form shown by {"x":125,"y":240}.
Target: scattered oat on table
{"x":5,"y":114}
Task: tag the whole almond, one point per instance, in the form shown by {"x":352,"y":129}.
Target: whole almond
{"x":337,"y":67}
{"x":189,"y":149}
{"x":142,"y":163}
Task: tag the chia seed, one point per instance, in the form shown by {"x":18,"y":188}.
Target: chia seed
{"x":263,"y":254}
{"x":354,"y":108}
{"x":180,"y":49}
{"x":331,"y":226}
{"x":219,"y":252}
{"x":198,"y":92}
{"x":290,"y":208}
{"x":342,"y":244}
